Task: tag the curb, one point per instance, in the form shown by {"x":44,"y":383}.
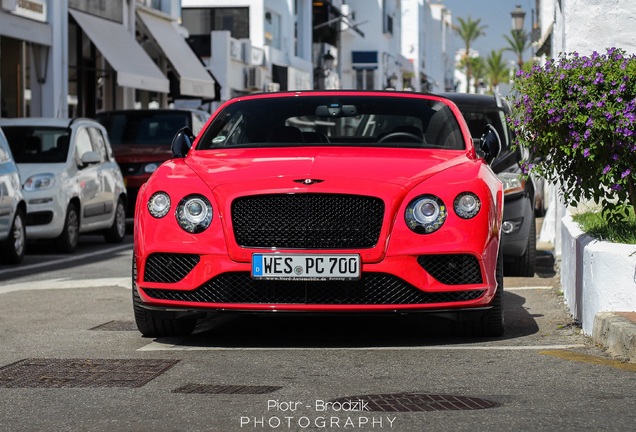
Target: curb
{"x":616,"y":332}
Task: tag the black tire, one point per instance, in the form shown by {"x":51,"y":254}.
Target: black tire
{"x":14,"y":247}
{"x":525,"y":265}
{"x":117,"y":231}
{"x":151,"y":325}
{"x":490,"y":323}
{"x":69,"y":239}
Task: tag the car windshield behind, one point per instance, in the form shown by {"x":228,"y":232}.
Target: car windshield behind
{"x":144,"y":127}
{"x":326,"y":120}
{"x":38,"y":144}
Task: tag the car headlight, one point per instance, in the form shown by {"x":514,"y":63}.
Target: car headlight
{"x":39,"y":182}
{"x":151,"y":167}
{"x":194,"y":213}
{"x":512,"y":182}
{"x":159,"y":204}
{"x":467,"y":205}
{"x":425,"y":214}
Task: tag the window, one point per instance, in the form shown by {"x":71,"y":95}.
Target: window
{"x":98,"y":142}
{"x":365,"y":79}
{"x":82,"y":143}
{"x":272,"y":29}
{"x":201,"y":21}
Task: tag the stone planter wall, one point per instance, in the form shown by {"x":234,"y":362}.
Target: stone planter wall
{"x":596,"y":276}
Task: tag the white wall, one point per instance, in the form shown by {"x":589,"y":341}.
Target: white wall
{"x":595,"y":276}
{"x":585,"y":26}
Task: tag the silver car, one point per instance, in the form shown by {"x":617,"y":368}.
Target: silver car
{"x":12,"y":208}
{"x":71,"y":181}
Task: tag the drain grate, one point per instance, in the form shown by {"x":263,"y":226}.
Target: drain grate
{"x":68,"y":373}
{"x":413,"y":402}
{"x":225,"y":389}
{"x":117,"y":326}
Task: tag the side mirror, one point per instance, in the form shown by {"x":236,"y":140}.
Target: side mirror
{"x":490,"y":144}
{"x":182,"y":142}
{"x":90,"y":158}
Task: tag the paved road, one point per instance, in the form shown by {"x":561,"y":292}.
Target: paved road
{"x":72,"y":360}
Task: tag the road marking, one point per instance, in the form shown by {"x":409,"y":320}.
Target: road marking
{"x":159,"y":346}
{"x":23,"y":267}
{"x":527,"y":288}
{"x":124,"y":282}
{"x":586,"y":358}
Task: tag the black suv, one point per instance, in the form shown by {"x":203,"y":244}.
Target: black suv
{"x":518,"y":229}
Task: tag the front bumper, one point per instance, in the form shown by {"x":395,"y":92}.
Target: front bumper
{"x":395,"y":284}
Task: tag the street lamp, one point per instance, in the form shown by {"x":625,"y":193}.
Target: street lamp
{"x":518,"y":17}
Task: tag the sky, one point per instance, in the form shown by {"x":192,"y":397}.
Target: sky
{"x":495,"y":14}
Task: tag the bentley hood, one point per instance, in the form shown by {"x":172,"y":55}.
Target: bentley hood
{"x":398,"y":167}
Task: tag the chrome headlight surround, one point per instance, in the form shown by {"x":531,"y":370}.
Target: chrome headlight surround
{"x":425,"y":214}
{"x":159,"y":204}
{"x":194,"y":213}
{"x":467,"y":205}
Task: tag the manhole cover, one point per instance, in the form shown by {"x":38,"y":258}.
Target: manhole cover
{"x":116,"y":326}
{"x":225,"y":389}
{"x":65,"y":373}
{"x":411,"y":402}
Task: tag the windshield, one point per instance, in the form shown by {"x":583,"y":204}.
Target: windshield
{"x":327,"y":120}
{"x":151,"y":128}
{"x":38,"y":144}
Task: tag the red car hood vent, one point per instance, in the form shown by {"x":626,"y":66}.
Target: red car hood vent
{"x":312,"y":166}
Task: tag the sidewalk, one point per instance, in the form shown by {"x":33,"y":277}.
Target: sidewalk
{"x":614,"y":331}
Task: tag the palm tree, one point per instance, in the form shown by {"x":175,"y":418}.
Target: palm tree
{"x":496,"y":69}
{"x":480,"y":74}
{"x":518,"y":43}
{"x":469,"y":30}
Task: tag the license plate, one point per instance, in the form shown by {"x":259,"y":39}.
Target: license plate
{"x":305,"y":267}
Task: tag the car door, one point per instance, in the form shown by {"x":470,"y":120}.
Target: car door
{"x":88,"y":180}
{"x":108,"y":173}
{"x":8,"y":173}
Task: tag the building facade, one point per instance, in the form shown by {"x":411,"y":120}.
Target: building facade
{"x":62,"y":58}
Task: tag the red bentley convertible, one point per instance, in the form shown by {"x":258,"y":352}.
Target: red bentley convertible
{"x":322,"y":202}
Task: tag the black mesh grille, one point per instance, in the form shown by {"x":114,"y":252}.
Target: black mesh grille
{"x":373,"y":288}
{"x":169,"y":268}
{"x":452,"y":269}
{"x":307,"y":221}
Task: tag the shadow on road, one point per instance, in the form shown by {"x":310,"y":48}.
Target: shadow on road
{"x":331,"y":331}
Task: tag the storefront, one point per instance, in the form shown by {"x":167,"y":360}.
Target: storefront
{"x":26,"y":55}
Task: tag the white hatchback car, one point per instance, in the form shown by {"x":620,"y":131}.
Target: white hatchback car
{"x":12,"y":208}
{"x":71,"y":181}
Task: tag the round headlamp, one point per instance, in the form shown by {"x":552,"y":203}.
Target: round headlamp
{"x":194,"y":213}
{"x":425,"y":214}
{"x":159,"y":204}
{"x":467,"y":205}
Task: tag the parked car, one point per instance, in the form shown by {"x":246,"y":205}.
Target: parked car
{"x":71,"y":182}
{"x":322,"y":202}
{"x":519,"y":226}
{"x":12,"y":208}
{"x":141,"y":140}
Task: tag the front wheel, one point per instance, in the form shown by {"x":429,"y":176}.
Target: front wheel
{"x":150,"y":324}
{"x":117,"y":231}
{"x":15,"y":245}
{"x":69,"y":239}
{"x":491,"y":323}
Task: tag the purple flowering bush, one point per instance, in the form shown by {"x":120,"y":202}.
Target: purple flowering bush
{"x":577,"y":115}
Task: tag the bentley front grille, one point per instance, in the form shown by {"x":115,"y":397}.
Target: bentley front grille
{"x":307,"y":221}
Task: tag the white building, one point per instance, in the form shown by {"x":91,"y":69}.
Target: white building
{"x":253,"y":45}
{"x":585,"y":26}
